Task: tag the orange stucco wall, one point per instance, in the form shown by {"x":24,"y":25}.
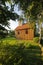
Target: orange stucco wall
{"x":22,"y":34}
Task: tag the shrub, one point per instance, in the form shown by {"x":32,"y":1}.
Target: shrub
{"x":19,"y":53}
{"x":36,"y":39}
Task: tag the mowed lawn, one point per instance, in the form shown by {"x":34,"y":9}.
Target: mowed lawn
{"x":19,"y":52}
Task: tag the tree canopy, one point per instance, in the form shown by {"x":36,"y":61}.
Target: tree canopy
{"x":32,"y":8}
{"x":6,"y":14}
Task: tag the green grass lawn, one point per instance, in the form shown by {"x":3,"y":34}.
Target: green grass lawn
{"x":19,"y":52}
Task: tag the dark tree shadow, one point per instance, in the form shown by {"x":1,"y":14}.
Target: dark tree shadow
{"x":41,"y":42}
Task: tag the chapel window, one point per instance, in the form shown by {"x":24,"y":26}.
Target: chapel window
{"x":18,"y":32}
{"x":26,"y":31}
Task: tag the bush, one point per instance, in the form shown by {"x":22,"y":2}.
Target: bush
{"x":19,"y":55}
{"x":17,"y":52}
{"x":36,"y":39}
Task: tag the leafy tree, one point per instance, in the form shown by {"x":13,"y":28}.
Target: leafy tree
{"x":11,"y":33}
{"x":6,"y":14}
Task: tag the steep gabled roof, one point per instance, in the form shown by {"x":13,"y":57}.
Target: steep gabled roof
{"x":24,"y":26}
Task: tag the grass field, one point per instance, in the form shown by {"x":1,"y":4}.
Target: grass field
{"x":19,"y":52}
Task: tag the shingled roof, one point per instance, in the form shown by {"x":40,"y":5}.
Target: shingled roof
{"x":24,"y":26}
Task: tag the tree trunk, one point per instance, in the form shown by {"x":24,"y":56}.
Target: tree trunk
{"x":39,"y":33}
{"x":40,"y":30}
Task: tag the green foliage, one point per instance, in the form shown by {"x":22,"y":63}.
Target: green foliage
{"x":31,"y":7}
{"x":6,"y":14}
{"x":3,"y":32}
{"x":11,"y":33}
{"x":33,"y":47}
{"x":20,"y":53}
{"x":36,"y":39}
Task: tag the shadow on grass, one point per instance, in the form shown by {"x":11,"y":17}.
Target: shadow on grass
{"x":20,"y":55}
